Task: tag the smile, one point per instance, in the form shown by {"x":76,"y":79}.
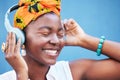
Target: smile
{"x":51,"y":51}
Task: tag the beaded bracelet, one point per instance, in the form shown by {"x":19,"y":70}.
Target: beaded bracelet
{"x":100,"y":45}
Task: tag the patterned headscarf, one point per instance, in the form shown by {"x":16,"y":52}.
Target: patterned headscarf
{"x":31,"y":9}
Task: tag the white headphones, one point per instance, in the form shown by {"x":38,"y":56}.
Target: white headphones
{"x":19,"y":33}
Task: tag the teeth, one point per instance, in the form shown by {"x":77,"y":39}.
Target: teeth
{"x":51,"y":51}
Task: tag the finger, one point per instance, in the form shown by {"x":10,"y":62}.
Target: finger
{"x":65,"y":24}
{"x":9,"y":36}
{"x":11,"y":43}
{"x":72,"y":21}
{"x":70,"y":24}
{"x":6,"y":44}
{"x":17,"y":49}
{"x":8,"y":50}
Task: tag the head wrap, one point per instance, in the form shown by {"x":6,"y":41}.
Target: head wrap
{"x":31,"y":9}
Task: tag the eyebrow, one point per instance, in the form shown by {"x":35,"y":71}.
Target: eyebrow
{"x":47,"y":27}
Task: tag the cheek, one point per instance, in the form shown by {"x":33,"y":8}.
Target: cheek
{"x":35,"y":43}
{"x":34,"y":48}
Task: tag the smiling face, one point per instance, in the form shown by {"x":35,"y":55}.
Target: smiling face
{"x":44,"y":39}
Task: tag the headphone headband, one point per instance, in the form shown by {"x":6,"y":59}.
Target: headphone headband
{"x":9,"y":28}
{"x":7,"y":22}
{"x":14,"y":7}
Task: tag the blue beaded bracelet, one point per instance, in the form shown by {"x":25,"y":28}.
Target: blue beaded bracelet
{"x":100,"y":45}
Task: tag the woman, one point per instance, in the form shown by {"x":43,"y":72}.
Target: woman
{"x":44,"y":35}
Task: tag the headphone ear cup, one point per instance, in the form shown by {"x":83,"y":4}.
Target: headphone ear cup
{"x":19,"y":34}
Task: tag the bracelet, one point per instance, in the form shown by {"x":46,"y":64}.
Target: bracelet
{"x":100,"y":45}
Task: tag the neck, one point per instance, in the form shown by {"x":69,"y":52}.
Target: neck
{"x":36,"y":70}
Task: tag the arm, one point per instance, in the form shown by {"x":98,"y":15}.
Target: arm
{"x":75,"y":36}
{"x":92,"y":69}
{"x":12,"y":55}
{"x":108,"y":69}
{"x":110,"y":48}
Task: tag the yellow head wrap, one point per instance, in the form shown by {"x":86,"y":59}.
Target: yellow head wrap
{"x":31,"y":9}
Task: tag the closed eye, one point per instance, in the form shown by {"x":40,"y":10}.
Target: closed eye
{"x":44,"y":31}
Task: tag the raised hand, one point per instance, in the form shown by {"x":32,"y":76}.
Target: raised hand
{"x":12,"y":55}
{"x":74,"y":33}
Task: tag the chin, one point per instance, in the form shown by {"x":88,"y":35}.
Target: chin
{"x":51,"y":62}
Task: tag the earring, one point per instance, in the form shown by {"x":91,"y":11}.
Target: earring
{"x":23,"y":51}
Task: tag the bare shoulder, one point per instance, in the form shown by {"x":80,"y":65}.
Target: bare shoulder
{"x":95,"y":69}
{"x":79,"y":67}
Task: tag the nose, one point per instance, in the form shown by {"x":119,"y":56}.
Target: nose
{"x":54,"y":39}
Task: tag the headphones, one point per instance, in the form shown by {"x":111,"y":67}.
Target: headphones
{"x":19,"y":33}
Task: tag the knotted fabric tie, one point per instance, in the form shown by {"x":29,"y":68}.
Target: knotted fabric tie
{"x":31,"y":9}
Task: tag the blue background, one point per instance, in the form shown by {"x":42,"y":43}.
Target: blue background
{"x":96,"y":17}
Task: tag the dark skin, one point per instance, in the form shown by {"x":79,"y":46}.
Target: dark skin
{"x":94,"y":69}
{"x":44,"y":37}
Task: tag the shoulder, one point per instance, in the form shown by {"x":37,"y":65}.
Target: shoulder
{"x":106,"y":69}
{"x":10,"y":75}
{"x":81,"y":62}
{"x":80,"y":67}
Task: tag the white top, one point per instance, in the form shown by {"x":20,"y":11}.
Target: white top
{"x":59,"y":71}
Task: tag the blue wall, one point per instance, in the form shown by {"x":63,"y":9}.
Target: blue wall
{"x":96,"y":17}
